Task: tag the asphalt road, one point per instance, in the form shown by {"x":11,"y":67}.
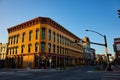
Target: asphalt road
{"x":78,"y":73}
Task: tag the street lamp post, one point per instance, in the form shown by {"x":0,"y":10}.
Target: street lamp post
{"x":105,"y":44}
{"x":50,"y":61}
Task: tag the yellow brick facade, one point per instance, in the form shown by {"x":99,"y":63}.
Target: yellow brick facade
{"x":42,"y":43}
{"x":3,"y":51}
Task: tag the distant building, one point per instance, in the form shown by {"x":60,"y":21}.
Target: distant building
{"x":89,"y":53}
{"x":104,"y":57}
{"x":116,"y":46}
{"x":3,"y":51}
{"x":42,"y":43}
{"x":93,"y":58}
{"x":99,"y":59}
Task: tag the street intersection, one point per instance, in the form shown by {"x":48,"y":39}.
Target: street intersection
{"x":77,"y":73}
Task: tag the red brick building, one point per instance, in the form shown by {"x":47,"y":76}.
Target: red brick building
{"x":117,"y":49}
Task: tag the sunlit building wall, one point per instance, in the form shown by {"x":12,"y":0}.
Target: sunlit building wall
{"x":42,"y":43}
{"x":3,"y":51}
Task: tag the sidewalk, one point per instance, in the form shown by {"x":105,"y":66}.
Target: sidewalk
{"x":27,"y":70}
{"x":112,"y":75}
{"x":35,"y":70}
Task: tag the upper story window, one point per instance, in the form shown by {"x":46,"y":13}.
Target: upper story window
{"x":13,"y":50}
{"x":36,"y":47}
{"x":57,"y":38}
{"x":60,"y":49}
{"x":43,"y":47}
{"x":22,"y":49}
{"x":23,"y":37}
{"x":30,"y":35}
{"x":49,"y":47}
{"x":16,"y":50}
{"x":54,"y":36}
{"x":63,"y":50}
{"x":14,"y":39}
{"x":43,"y":33}
{"x":54,"y":48}
{"x":60,"y":39}
{"x":37,"y":32}
{"x":10,"y":50}
{"x":57,"y":49}
{"x":29,"y":48}
{"x":17,"y":38}
{"x":49,"y":35}
{"x":65,"y":41}
{"x":11,"y":39}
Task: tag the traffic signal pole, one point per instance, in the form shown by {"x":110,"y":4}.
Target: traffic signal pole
{"x":105,"y":44}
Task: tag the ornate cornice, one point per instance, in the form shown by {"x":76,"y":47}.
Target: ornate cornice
{"x":42,"y":20}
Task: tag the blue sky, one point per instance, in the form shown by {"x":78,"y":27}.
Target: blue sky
{"x":74,"y":15}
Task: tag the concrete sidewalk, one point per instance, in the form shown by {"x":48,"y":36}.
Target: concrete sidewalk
{"x":35,"y":70}
{"x":27,"y":70}
{"x":112,"y":75}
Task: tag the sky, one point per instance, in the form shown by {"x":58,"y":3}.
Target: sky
{"x":75,"y":15}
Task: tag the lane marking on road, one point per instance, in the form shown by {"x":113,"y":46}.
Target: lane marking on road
{"x":90,"y":71}
{"x":6,"y":73}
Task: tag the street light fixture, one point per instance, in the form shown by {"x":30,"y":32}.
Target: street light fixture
{"x":105,"y":44}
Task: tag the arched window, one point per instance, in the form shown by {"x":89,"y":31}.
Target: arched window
{"x":14,"y":38}
{"x":60,"y":39}
{"x":54,"y":36}
{"x":37,"y":32}
{"x":43,"y":33}
{"x":17,"y":38}
{"x":57,"y":38}
{"x":23,"y":36}
{"x":22,"y":49}
{"x":29,"y":48}
{"x":13,"y":50}
{"x":9,"y":50}
{"x":16,"y":50}
{"x":49,"y":47}
{"x":57,"y":49}
{"x":54,"y":48}
{"x":43,"y":47}
{"x":36,"y":47}
{"x":49,"y":35}
{"x":30,"y":35}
